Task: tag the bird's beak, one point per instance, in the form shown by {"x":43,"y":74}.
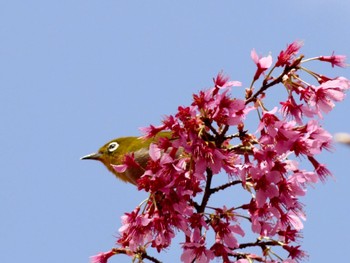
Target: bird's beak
{"x":91,"y":156}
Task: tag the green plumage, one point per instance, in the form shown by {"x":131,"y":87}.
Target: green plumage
{"x":114,"y":151}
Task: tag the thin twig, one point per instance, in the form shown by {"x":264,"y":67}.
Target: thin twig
{"x":261,"y":244}
{"x":224,"y":186}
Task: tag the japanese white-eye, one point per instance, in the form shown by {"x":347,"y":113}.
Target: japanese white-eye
{"x":114,"y":152}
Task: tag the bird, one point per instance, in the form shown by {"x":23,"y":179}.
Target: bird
{"x":114,"y":151}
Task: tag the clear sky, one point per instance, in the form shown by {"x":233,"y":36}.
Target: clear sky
{"x":75,"y":74}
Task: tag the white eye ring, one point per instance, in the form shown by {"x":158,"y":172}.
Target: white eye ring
{"x":112,"y":146}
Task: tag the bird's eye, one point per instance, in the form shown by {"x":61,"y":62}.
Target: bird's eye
{"x":113,"y":146}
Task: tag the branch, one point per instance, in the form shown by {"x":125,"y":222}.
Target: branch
{"x":241,"y":150}
{"x":279,"y":79}
{"x":224,"y":186}
{"x":261,"y":244}
{"x":207,"y":192}
{"x":208,"y":123}
{"x":222,"y":137}
{"x":150,"y":258}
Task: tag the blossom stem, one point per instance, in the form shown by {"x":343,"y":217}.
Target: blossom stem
{"x":315,"y":75}
{"x":310,"y":59}
{"x":268,"y":75}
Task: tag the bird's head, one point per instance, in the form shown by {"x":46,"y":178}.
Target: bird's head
{"x":114,"y":151}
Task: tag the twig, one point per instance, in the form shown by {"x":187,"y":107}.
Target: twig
{"x":261,"y":244}
{"x":224,"y":186}
{"x":279,"y":79}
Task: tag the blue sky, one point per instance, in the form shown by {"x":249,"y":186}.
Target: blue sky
{"x":75,"y":74}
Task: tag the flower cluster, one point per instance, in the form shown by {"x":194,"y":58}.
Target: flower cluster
{"x":209,"y":140}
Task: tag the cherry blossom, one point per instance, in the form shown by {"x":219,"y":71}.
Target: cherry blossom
{"x":286,"y":56}
{"x":335,"y":60}
{"x":211,"y":152}
{"x":263,"y":63}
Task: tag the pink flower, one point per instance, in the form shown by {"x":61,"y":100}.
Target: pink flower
{"x":297,"y":183}
{"x":262,"y":63}
{"x":319,"y":138}
{"x":220,"y":250}
{"x":295,"y":252}
{"x":221,"y":81}
{"x":237,"y":112}
{"x":320,"y":169}
{"x":163,"y":234}
{"x":289,"y":234}
{"x":102,"y":257}
{"x":151,"y":131}
{"x":335,"y":60}
{"x":295,"y":220}
{"x":279,"y":134}
{"x":285,"y":56}
{"x":265,"y":190}
{"x":195,"y":249}
{"x":324,"y":96}
{"x":263,"y":219}
{"x":288,"y":192}
{"x":128,"y":162}
{"x":135,"y":230}
{"x":268,"y":119}
{"x":291,"y":108}
{"x":225,"y":232}
{"x":154,"y":152}
{"x":196,"y":252}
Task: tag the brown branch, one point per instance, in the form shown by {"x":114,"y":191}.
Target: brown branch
{"x":261,"y":244}
{"x":150,"y":258}
{"x":207,"y":192}
{"x":208,"y":122}
{"x":195,"y":205}
{"x":222,"y":137}
{"x":222,"y":134}
{"x":240,"y":149}
{"x":224,"y":186}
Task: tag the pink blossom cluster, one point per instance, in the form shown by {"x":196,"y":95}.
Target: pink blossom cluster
{"x":209,"y":141}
